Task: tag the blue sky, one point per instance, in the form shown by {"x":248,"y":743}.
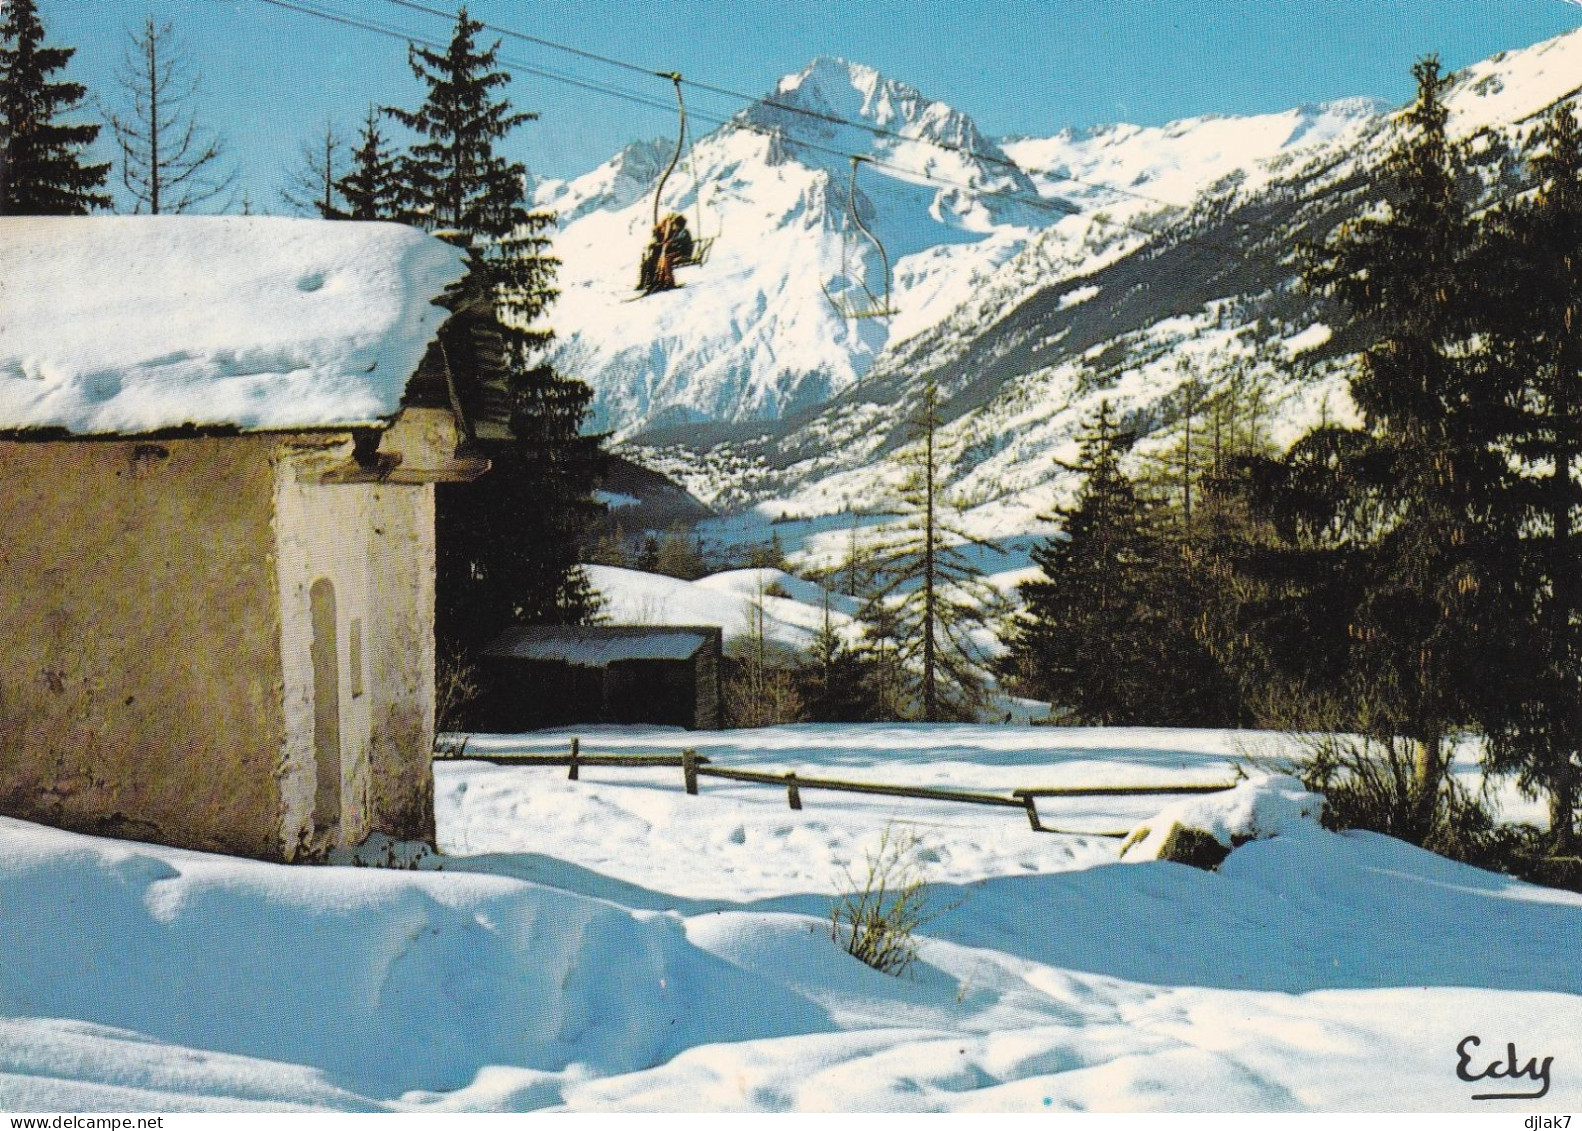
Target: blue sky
{"x":271,"y":77}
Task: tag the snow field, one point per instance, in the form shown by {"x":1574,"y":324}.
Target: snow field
{"x":614,"y":944}
{"x":382,"y":982}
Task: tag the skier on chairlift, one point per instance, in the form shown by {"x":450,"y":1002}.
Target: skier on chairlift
{"x":669,"y":247}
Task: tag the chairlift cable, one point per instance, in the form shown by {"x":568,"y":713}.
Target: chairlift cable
{"x":1035,"y":201}
{"x":791,"y":108}
{"x":880,"y":131}
{"x":510,"y":64}
{"x":1038,"y":202}
{"x":681,"y":140}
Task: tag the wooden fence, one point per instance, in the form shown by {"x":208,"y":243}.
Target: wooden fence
{"x":693,"y":766}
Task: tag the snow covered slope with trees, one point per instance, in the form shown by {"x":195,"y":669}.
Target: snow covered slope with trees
{"x":1130,"y":301}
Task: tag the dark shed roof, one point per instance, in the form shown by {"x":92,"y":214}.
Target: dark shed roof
{"x":597,"y":646}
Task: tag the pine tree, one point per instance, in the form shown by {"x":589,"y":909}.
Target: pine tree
{"x":882,"y":653}
{"x":1532,"y":312}
{"x":169,"y":163}
{"x":1099,"y":636}
{"x":679,"y":554}
{"x":1428,"y":421}
{"x":509,"y":542}
{"x":930,"y":589}
{"x":372,"y":190}
{"x":454,"y":179}
{"x":837,"y":683}
{"x":1281,"y":576}
{"x":1177,"y":471}
{"x":41,"y":158}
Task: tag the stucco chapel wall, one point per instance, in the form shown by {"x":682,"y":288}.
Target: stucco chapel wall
{"x":139,"y":656}
{"x":401,"y":663}
{"x":374,"y":545}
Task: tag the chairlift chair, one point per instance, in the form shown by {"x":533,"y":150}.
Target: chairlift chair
{"x":868,"y":305}
{"x":698,"y":253}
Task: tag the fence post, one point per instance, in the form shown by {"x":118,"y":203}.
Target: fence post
{"x":793,"y":795}
{"x":1032,"y":813}
{"x":689,"y":770}
{"x":575,"y":750}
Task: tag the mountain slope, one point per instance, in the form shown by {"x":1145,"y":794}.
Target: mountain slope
{"x":1171,"y":164}
{"x":751,"y":335}
{"x":1123,"y":305}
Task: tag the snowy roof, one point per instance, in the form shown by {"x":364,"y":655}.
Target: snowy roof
{"x":599,"y":646}
{"x":134,"y":324}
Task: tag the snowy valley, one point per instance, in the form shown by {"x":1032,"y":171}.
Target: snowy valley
{"x":1110,"y":264}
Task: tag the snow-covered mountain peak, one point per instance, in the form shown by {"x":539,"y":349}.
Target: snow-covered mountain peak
{"x":1182,"y":259}
{"x":972,"y":228}
{"x":842,"y":89}
{"x":615,"y":184}
{"x":1514,"y":86}
{"x":837,"y":107}
{"x":752,"y":333}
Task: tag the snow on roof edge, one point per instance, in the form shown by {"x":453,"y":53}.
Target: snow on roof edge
{"x":129,"y":326}
{"x":597,"y":646}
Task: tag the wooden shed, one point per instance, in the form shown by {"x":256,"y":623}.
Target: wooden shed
{"x":555,"y":676}
{"x":217,"y":532}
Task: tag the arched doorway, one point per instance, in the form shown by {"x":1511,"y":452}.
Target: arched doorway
{"x":326,"y":708}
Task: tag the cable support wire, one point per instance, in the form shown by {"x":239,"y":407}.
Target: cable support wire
{"x":392,"y":32}
{"x":881,"y":132}
{"x":305,"y":8}
{"x":791,"y":108}
{"x":636,"y":98}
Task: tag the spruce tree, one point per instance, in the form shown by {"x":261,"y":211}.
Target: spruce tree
{"x":372,"y":190}
{"x":453,"y":177}
{"x":930,"y":590}
{"x":1282,"y":574}
{"x":509,"y":542}
{"x":1100,"y":636}
{"x":41,"y":158}
{"x":837,"y":683}
{"x":1429,"y":423}
{"x":1531,"y":310}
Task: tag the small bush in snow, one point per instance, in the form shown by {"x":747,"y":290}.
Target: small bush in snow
{"x":455,"y":686}
{"x":1367,"y":784}
{"x":879,"y":911}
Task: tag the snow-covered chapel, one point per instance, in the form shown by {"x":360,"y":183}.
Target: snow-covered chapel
{"x":219,"y":439}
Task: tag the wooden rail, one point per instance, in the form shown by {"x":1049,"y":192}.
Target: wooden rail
{"x":925,"y":793}
{"x":563,"y":760}
{"x":575,"y":760}
{"x":1122,"y":790}
{"x":693,"y":767}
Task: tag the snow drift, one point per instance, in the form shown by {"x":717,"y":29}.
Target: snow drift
{"x":614,"y":944}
